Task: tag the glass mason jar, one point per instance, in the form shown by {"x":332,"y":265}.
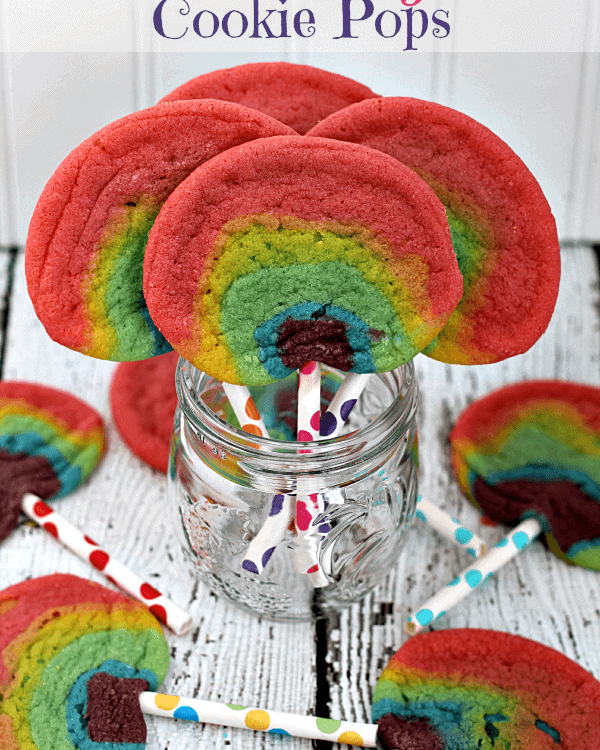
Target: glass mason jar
{"x":222,"y":482}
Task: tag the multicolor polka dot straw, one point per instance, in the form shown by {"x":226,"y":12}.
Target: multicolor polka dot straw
{"x":342,"y":404}
{"x":273,"y":530}
{"x":309,"y":506}
{"x":244,"y":717}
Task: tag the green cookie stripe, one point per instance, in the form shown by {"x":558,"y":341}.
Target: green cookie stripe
{"x":257,"y":247}
{"x":255,"y":298}
{"x":145,"y":649}
{"x":586,"y":554}
{"x":547,"y":445}
{"x":469,"y":247}
{"x":259,"y":272}
{"x":114,"y":290}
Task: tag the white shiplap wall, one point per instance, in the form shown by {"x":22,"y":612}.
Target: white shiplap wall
{"x":530,"y":74}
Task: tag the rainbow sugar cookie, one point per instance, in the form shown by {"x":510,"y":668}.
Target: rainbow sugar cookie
{"x":533,"y":449}
{"x":56,"y":633}
{"x":502,"y":228}
{"x":86,"y":240}
{"x":50,"y":441}
{"x":298,"y":95}
{"x":143,"y":402}
{"x":481,"y":690}
{"x":293,"y":249}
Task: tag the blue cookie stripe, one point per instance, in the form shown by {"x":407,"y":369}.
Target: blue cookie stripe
{"x":357,"y":332}
{"x":445,"y":716}
{"x":161,"y":345}
{"x":31,"y":443}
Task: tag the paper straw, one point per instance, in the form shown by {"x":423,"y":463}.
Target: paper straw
{"x":476,"y":574}
{"x":269,"y":535}
{"x":309,"y":402}
{"x":85,"y":548}
{"x":309,"y":506}
{"x":280,"y":516}
{"x":332,"y":422}
{"x":342,"y":404}
{"x":245,"y":409}
{"x":244,"y":717}
{"x":450,"y":528}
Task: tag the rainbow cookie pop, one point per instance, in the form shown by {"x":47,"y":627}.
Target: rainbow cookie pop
{"x":532,"y":449}
{"x":502,"y":228}
{"x":294,"y":249}
{"x":298,"y":95}
{"x":86,"y":240}
{"x":480,"y":689}
{"x":50,"y":441}
{"x":56,"y":633}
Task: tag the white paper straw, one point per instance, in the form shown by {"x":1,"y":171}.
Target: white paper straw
{"x":270,"y":534}
{"x":282,"y":509}
{"x":245,"y":409}
{"x":309,"y":506}
{"x":476,"y":574}
{"x":244,"y":717}
{"x":450,"y":528}
{"x":342,"y":404}
{"x":309,"y":402}
{"x":175,"y":618}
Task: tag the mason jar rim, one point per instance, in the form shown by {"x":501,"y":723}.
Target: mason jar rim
{"x":274,"y":456}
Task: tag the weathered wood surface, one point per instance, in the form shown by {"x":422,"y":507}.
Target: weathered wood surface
{"x":231,"y":656}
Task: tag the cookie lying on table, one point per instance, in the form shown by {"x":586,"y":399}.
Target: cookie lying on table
{"x":298,"y":95}
{"x":481,"y":690}
{"x":143,"y":400}
{"x":50,"y":441}
{"x":295,"y":249}
{"x":533,"y":449}
{"x":502,"y":227}
{"x":56,"y":633}
{"x":85,"y":246}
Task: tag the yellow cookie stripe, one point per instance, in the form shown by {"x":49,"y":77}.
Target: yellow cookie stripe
{"x":232,"y":257}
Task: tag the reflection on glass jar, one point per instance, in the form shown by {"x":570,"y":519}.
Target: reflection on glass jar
{"x":222,"y":482}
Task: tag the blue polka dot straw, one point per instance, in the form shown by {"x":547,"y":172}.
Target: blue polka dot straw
{"x":450,"y":528}
{"x":480,"y":571}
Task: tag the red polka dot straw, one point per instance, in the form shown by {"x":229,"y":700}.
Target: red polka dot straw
{"x":87,"y":549}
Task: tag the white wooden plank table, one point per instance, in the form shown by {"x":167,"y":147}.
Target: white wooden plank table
{"x":328,"y":666}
